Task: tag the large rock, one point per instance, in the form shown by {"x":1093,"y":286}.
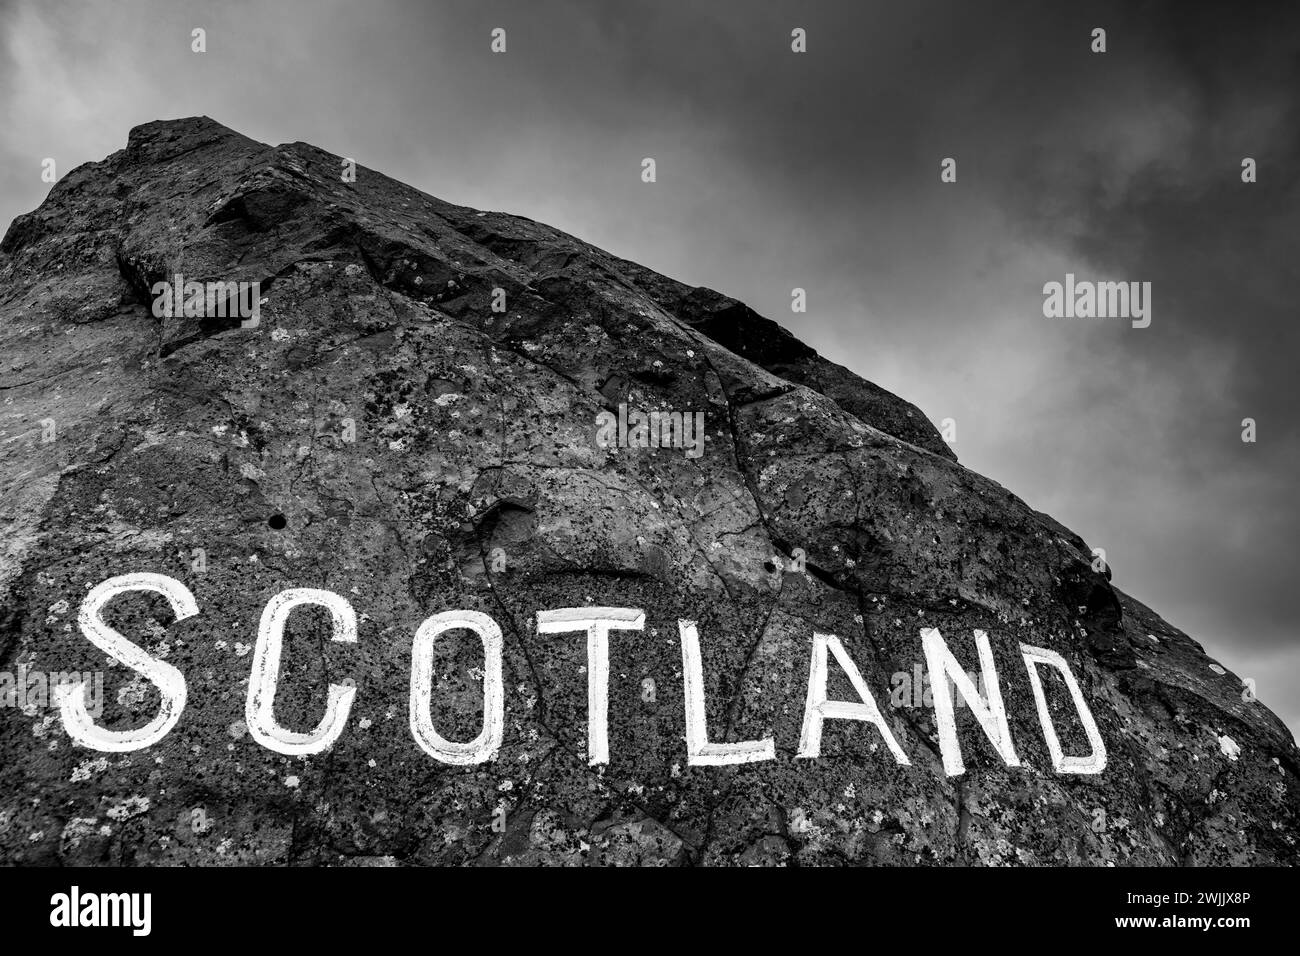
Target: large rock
{"x":384,"y":434}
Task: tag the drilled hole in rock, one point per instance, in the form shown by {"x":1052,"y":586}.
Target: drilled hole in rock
{"x":277,"y":521}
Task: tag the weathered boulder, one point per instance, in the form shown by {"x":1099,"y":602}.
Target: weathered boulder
{"x":384,"y":433}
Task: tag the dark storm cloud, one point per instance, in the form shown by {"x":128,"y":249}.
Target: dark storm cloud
{"x":822,"y":171}
{"x":1223,"y":258}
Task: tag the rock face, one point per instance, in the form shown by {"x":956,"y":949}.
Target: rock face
{"x":385,"y":434}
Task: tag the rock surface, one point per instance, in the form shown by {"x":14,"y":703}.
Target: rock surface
{"x":427,"y":453}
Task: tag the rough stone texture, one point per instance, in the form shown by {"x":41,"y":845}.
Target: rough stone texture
{"x":475,"y":431}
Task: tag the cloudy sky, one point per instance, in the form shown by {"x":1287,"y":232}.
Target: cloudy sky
{"x":821,"y":171}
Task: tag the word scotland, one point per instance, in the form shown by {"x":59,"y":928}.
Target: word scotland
{"x":598,"y":625}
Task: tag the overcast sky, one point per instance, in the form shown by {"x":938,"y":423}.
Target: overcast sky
{"x":821,"y":171}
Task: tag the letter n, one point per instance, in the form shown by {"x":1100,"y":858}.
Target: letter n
{"x":945,"y":674}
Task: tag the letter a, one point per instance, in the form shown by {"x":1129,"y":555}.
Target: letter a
{"x":818,"y":708}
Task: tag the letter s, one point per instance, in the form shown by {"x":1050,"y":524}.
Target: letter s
{"x":170,"y":682}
